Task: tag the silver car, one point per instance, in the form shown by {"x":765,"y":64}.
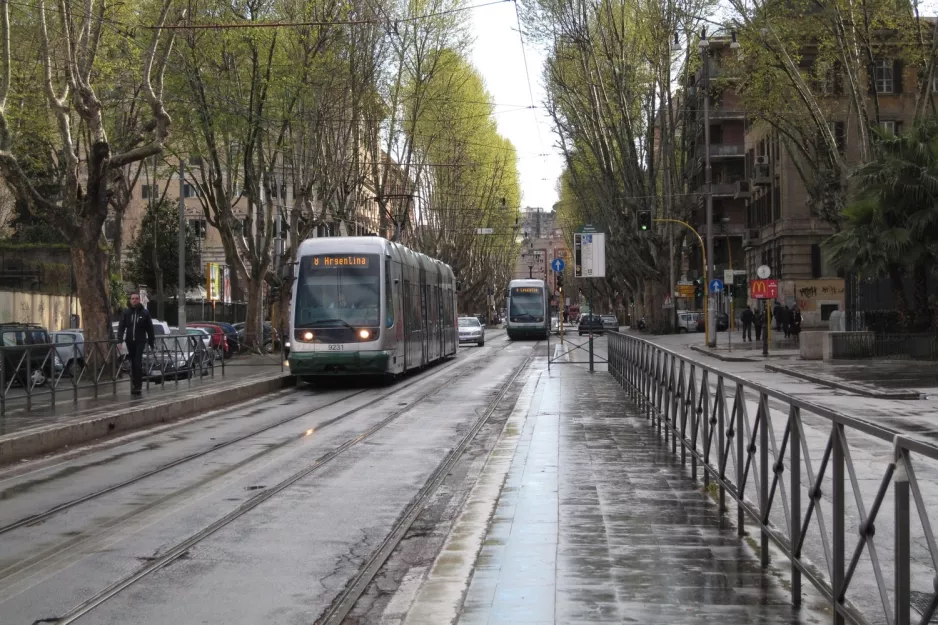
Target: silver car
{"x":610,"y":322}
{"x":471,"y":331}
{"x":70,"y":350}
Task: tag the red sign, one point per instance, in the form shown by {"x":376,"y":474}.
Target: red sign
{"x":763,"y":289}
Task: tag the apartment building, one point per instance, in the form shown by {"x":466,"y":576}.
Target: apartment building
{"x":728,"y":144}
{"x":165,"y":185}
{"x":541,"y":242}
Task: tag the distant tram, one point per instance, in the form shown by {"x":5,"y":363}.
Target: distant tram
{"x":367,"y":306}
{"x":528,"y":309}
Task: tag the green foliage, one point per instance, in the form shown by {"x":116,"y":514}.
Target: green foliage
{"x":472,"y":178}
{"x":117,"y":298}
{"x":159,"y":229}
{"x":56,"y":278}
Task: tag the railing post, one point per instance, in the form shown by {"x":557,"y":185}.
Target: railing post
{"x":764,"y":475}
{"x":705,"y":423}
{"x":721,"y":442}
{"x":3,"y":381}
{"x":839,"y":524}
{"x":794,"y":455}
{"x":29,"y":380}
{"x":740,"y":455}
{"x":903,"y":579}
{"x":50,"y":357}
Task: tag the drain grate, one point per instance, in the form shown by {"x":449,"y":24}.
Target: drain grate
{"x":921,"y":601}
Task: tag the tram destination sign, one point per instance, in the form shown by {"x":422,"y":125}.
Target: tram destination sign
{"x":341,"y":260}
{"x":527,"y":289}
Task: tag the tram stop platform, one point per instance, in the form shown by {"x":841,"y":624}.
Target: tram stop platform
{"x":582,"y":515}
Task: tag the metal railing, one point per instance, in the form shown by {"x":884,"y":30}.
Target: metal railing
{"x":46,"y":374}
{"x":761,"y":446}
{"x":853,"y":345}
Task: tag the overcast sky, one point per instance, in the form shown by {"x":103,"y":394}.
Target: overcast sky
{"x":497,"y":54}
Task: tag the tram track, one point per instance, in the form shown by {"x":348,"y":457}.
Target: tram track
{"x":42,"y":516}
{"x":179,"y":549}
{"x":342,"y":606}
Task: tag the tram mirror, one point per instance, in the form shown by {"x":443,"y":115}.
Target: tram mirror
{"x":287,"y":271}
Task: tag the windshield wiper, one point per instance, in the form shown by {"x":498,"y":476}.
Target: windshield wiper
{"x":322,"y":321}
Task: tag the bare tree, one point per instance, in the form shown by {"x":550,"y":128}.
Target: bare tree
{"x":68,"y":52}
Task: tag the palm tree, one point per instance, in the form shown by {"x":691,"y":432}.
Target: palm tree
{"x":892,"y":228}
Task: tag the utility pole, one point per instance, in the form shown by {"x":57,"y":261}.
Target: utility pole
{"x":181,"y":292}
{"x":708,"y":183}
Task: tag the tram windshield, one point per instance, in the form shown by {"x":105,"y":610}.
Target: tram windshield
{"x":338,"y":290}
{"x":527,"y":304}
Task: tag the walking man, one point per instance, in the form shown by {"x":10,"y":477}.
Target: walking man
{"x":135,"y":330}
{"x":746,"y":318}
{"x":758,"y":320}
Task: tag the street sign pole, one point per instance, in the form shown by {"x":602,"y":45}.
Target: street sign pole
{"x":591,"y":325}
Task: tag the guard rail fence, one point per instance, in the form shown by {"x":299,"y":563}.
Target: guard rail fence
{"x":44,"y":374}
{"x":801,"y":476}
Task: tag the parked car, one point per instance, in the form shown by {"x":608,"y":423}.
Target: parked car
{"x":723,"y":322}
{"x":175,"y":357}
{"x":70,"y":348}
{"x":610,"y":322}
{"x":687,"y":321}
{"x":219,"y":338}
{"x":29,"y":356}
{"x":471,"y":331}
{"x":271,"y":339}
{"x":590,"y":324}
{"x":201,"y":333}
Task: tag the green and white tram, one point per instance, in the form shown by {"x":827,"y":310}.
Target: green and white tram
{"x":367,"y":306}
{"x":528,"y":309}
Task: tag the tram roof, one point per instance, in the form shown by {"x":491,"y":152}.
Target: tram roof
{"x":375,"y":245}
{"x":526,"y":282}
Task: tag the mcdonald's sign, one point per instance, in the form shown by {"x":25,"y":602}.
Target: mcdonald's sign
{"x":763,"y":289}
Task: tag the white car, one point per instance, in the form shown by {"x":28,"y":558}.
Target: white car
{"x":687,"y":321}
{"x":471,"y":331}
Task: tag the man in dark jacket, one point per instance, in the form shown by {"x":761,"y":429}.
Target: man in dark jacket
{"x":136,"y":331}
{"x":758,"y":320}
{"x":747,"y":319}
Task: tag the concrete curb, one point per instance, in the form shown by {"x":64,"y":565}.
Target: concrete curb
{"x":46,"y":439}
{"x":843,"y":386}
{"x":719,"y":356}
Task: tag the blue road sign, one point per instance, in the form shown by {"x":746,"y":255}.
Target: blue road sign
{"x":557,"y":264}
{"x":716,"y":285}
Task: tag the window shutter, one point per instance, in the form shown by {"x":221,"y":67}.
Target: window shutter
{"x":840,"y":137}
{"x":871,"y":74}
{"x":838,"y":78}
{"x":897,"y":76}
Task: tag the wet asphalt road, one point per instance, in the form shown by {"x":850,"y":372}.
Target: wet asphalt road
{"x":281,"y":562}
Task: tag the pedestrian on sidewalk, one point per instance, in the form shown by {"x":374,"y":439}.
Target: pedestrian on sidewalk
{"x":758,"y":320}
{"x":794,"y":323}
{"x":746,"y":318}
{"x":135,"y":330}
{"x":778,"y":314}
{"x":786,"y":322}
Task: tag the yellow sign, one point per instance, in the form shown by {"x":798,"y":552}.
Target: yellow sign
{"x":341,"y":261}
{"x":213,"y":284}
{"x":685,"y":290}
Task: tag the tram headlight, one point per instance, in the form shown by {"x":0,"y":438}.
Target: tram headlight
{"x":307,"y":336}
{"x":364,"y":334}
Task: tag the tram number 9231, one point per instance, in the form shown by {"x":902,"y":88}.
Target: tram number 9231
{"x":335,"y":347}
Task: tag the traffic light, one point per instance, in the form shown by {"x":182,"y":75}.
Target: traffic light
{"x":644,"y":221}
{"x":560,"y":281}
{"x":698,"y":288}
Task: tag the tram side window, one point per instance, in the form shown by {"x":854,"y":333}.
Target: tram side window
{"x":388,"y":294}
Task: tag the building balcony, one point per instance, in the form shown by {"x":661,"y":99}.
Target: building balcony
{"x":721,"y":150}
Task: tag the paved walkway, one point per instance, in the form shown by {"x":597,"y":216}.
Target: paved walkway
{"x":598,"y":523}
{"x":66,"y":409}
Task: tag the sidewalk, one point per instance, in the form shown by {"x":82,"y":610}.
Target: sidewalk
{"x":48,"y":428}
{"x":595,"y":522}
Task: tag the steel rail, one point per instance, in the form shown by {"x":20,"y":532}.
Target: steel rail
{"x":253,"y":502}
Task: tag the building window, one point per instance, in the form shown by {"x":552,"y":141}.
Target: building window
{"x":890,"y":127}
{"x":145,"y":191}
{"x":189,"y":190}
{"x":884,"y":76}
{"x":838,"y":129}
